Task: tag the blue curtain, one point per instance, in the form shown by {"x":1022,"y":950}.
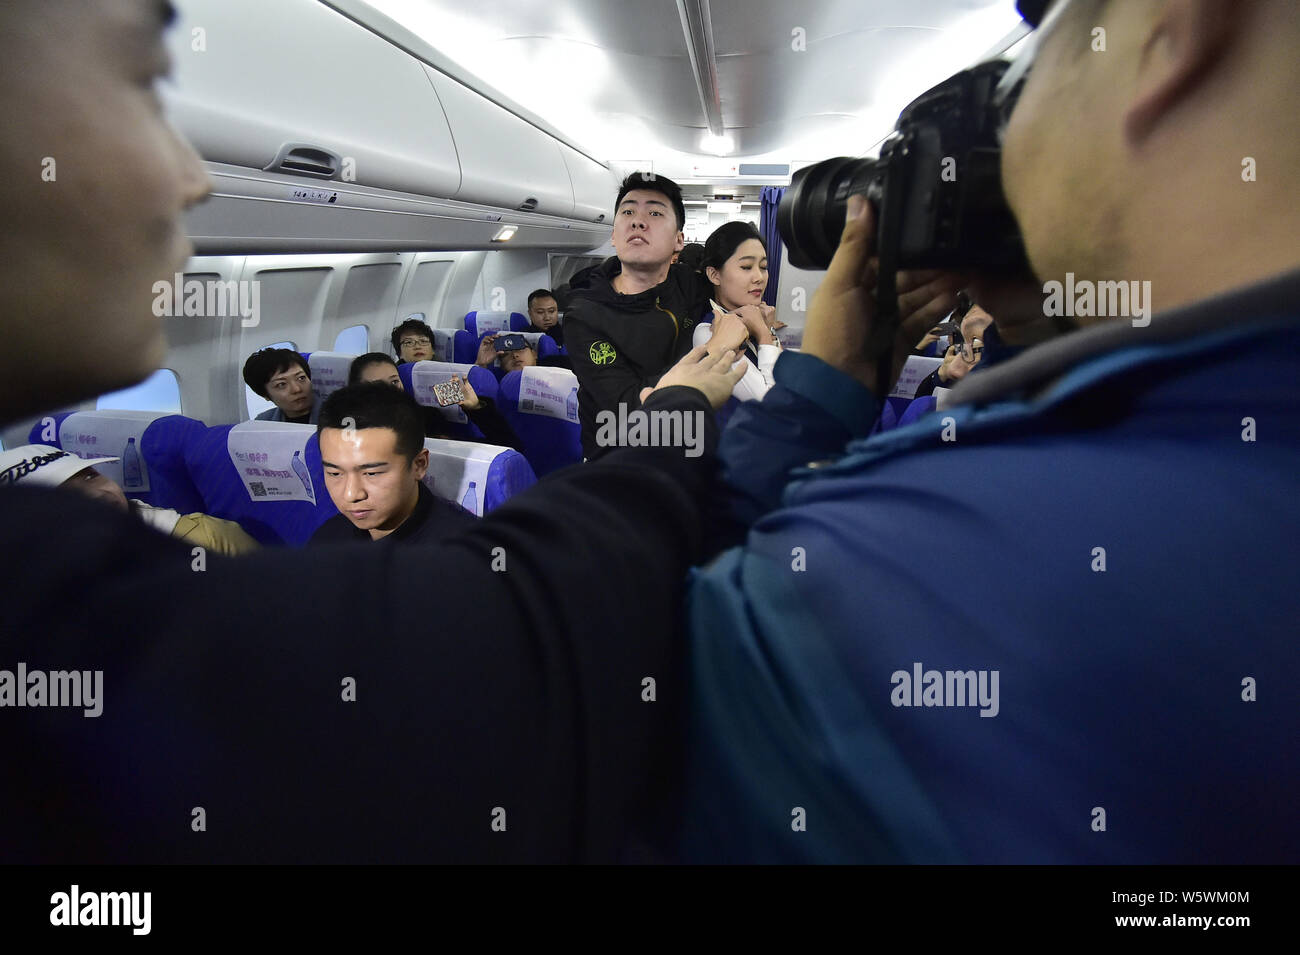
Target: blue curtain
{"x":767,"y":227}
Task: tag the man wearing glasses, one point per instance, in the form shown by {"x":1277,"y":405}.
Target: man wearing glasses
{"x":964,"y":354}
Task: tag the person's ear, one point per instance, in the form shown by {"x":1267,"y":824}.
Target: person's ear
{"x":420,"y":464}
{"x":713,"y":275}
{"x":680,"y":243}
{"x":1187,"y":41}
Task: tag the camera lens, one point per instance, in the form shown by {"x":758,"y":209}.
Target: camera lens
{"x":811,"y":214}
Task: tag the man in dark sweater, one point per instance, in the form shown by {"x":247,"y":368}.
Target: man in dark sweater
{"x":544,"y":315}
{"x":372,"y":450}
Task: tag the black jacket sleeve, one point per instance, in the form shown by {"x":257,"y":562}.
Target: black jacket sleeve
{"x":495,"y":428}
{"x":928,"y":384}
{"x":509,"y":694}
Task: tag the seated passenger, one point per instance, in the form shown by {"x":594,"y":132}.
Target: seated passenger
{"x":544,"y":315}
{"x":506,"y":352}
{"x":482,"y":411}
{"x":933,"y":344}
{"x":735,"y":263}
{"x":373,"y":470}
{"x":966,"y":352}
{"x":374,"y":366}
{"x":281,"y":376}
{"x":691,"y":256}
{"x":413,"y":341}
{"x":40,"y":465}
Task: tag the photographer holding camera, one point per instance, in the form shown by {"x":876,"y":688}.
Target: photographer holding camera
{"x":1090,"y":694}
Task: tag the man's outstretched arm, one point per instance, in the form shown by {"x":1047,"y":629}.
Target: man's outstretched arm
{"x":509,"y":694}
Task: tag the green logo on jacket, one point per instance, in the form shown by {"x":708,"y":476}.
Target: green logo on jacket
{"x":602,"y":353}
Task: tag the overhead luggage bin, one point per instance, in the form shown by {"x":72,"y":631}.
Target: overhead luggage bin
{"x":594,"y":186}
{"x":321,"y":135}
{"x":504,"y":160}
{"x":251,"y":211}
{"x":297,"y":74}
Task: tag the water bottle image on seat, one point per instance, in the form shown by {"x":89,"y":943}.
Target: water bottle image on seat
{"x":571,"y":404}
{"x":132,"y":475}
{"x":470,"y":501}
{"x":300,"y":469}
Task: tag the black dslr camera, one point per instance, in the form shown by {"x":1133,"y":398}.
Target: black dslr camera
{"x":936,"y":188}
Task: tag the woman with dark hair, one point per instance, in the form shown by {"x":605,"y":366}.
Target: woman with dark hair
{"x":735,"y":263}
{"x":374,"y":366}
{"x":413,"y":340}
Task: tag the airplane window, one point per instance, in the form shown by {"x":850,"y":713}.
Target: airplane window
{"x":256,"y":403}
{"x":159,"y":392}
{"x":353,"y":341}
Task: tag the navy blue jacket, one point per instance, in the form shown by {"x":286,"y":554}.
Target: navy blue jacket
{"x":1146,"y":713}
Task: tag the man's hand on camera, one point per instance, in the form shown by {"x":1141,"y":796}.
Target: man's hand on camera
{"x":1017,"y":305}
{"x":926,"y":298}
{"x":843,"y":310}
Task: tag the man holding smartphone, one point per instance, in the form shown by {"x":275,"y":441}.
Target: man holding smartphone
{"x":509,"y":351}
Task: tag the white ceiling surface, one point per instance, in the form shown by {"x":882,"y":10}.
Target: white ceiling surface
{"x":615,"y":75}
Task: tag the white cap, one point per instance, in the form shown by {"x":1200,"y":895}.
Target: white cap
{"x":40,"y":465}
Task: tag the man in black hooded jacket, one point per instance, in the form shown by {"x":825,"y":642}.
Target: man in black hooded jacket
{"x":631,"y":317}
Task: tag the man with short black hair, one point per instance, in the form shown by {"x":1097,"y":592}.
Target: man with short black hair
{"x":632,"y":316}
{"x":544,"y":315}
{"x":372,"y":449}
{"x":282,"y":376}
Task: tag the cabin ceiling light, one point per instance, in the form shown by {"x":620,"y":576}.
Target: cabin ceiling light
{"x":718,"y":145}
{"x":506,"y":233}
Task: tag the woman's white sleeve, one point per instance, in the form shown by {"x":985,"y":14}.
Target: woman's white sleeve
{"x":757,"y":379}
{"x":767,"y":356}
{"x":752,"y":387}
